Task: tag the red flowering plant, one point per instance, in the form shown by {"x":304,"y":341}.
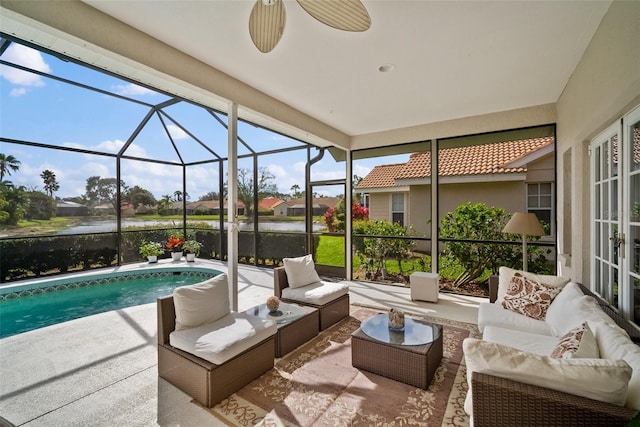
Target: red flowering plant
{"x":174,"y":244}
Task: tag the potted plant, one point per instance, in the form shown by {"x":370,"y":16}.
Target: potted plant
{"x":175,"y":245}
{"x":151,"y":250}
{"x":192,"y":249}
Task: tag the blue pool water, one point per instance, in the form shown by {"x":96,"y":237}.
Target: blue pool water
{"x":30,"y":312}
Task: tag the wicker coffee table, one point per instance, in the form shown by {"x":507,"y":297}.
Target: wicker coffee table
{"x":411,"y":355}
{"x":297,"y":324}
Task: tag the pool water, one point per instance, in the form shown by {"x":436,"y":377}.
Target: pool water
{"x":44,"y":309}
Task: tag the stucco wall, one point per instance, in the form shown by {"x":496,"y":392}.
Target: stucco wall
{"x":604,"y":86}
{"x":542,"y":170}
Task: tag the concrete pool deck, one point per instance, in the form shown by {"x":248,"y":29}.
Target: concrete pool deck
{"x":101,"y":370}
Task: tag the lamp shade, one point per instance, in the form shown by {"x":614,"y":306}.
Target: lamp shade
{"x":525,"y":224}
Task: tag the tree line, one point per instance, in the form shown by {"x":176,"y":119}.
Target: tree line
{"x":18,"y":202}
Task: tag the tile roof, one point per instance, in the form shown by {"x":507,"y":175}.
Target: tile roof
{"x":470,"y":160}
{"x":382,"y":176}
{"x":269,"y":202}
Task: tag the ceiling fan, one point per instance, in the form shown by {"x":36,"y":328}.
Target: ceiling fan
{"x":267,"y":19}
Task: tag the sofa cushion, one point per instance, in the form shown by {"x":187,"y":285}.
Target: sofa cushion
{"x":490,"y":314}
{"x":318,"y":293}
{"x":201,"y":303}
{"x":505,"y":274}
{"x":529,"y":297}
{"x":578,"y":342}
{"x":225,"y":338}
{"x":599,"y":379}
{"x":301,"y":271}
{"x":559,"y":314}
{"x":614,"y":343}
{"x":525,"y":341}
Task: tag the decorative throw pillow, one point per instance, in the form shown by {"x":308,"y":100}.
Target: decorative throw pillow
{"x":505,"y":274}
{"x":301,"y":271}
{"x":202,"y":303}
{"x":577,"y":343}
{"x":528,"y":297}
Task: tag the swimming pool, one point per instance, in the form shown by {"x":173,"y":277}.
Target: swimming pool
{"x":39,"y":304}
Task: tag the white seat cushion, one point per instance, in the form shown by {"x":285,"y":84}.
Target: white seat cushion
{"x":318,"y":293}
{"x":225,"y":338}
{"x":600,"y":379}
{"x":525,"y":341}
{"x":495,"y":315}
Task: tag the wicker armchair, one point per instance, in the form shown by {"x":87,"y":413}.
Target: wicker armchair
{"x":207,"y":382}
{"x":330,"y":313}
{"x":502,"y":402}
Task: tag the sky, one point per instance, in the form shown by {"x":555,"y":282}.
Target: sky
{"x":39,"y":109}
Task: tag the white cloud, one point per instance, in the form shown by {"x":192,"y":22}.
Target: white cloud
{"x":132,"y":89}
{"x":18,"y":91}
{"x":176,"y":132}
{"x":360,"y":170}
{"x":27,"y":57}
{"x":115,"y":146}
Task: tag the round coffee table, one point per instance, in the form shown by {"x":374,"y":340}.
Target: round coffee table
{"x":410,"y":355}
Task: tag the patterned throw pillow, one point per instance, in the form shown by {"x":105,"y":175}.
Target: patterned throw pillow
{"x":528,"y":297}
{"x":577,"y":343}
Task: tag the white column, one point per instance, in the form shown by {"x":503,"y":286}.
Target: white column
{"x":347,"y":229}
{"x":232,"y":196}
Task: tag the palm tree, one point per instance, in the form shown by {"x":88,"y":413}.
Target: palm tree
{"x":8,"y":164}
{"x":50,"y":183}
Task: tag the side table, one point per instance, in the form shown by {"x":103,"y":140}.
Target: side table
{"x":297,"y":324}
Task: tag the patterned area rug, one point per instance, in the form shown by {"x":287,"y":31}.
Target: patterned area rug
{"x":316,"y":385}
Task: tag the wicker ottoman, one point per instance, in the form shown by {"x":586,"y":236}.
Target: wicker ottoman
{"x":411,"y":364}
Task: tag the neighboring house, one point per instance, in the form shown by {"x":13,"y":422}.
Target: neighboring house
{"x":514,"y":175}
{"x":268,"y":203}
{"x":281,"y":208}
{"x":297,"y":207}
{"x":203,"y":207}
{"x":65,"y":208}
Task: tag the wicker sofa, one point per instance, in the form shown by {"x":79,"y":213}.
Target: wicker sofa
{"x":499,"y":396}
{"x":208,"y":382}
{"x":306,"y":288}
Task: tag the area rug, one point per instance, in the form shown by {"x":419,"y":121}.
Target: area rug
{"x":315,"y":385}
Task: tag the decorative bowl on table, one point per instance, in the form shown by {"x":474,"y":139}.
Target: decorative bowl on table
{"x":396,"y":320}
{"x":273,"y":303}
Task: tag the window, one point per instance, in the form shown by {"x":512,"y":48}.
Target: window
{"x":397,"y":208}
{"x":540,"y":202}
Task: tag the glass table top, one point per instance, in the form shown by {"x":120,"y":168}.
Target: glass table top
{"x":286,"y":313}
{"x":415,"y":332}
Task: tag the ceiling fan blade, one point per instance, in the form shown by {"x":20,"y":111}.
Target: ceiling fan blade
{"x":266,"y":24}
{"x":347,"y":15}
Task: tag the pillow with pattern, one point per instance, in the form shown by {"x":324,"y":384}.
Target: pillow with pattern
{"x":577,"y":343}
{"x":528,"y":297}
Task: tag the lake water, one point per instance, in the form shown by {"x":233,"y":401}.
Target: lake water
{"x":104,"y":226}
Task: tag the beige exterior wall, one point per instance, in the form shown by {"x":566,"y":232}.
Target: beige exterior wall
{"x":380,"y":206}
{"x":604,"y":86}
{"x":419,"y":209}
{"x":508,"y":195}
{"x":280,"y":210}
{"x":542,"y":170}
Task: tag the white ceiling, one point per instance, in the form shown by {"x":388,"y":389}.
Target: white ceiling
{"x":452,"y":59}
